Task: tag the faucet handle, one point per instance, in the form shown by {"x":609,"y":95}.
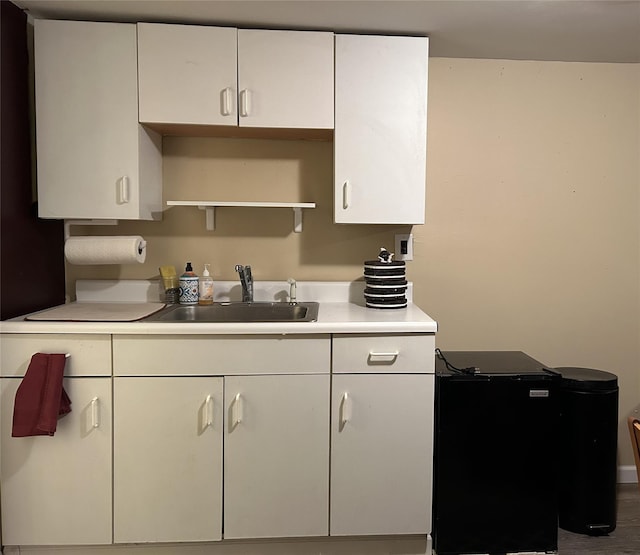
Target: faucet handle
{"x":247,"y":271}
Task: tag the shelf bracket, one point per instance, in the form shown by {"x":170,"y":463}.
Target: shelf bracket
{"x":210,"y":217}
{"x":297,"y":219}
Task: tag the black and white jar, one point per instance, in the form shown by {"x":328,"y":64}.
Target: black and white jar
{"x":386,"y":283}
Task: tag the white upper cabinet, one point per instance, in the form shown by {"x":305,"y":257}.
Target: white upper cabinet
{"x":380,"y":129}
{"x":187,"y":74}
{"x":285,"y":79}
{"x":224,"y":76}
{"x":94,"y":159}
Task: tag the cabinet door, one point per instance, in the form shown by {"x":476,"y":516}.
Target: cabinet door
{"x":92,"y":156}
{"x":285,"y":79}
{"x":380,"y":129}
{"x":381,"y":454}
{"x":167,"y":459}
{"x":276,"y":458}
{"x":187,"y":74}
{"x":57,"y":490}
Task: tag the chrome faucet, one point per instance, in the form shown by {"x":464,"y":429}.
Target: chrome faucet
{"x":246,"y":280}
{"x":292,"y":290}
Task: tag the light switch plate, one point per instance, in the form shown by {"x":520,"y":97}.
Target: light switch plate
{"x":404,"y":247}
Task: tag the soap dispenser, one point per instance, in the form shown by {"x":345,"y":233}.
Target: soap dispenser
{"x":206,"y":287}
{"x":188,"y":286}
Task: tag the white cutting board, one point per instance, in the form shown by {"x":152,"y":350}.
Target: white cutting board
{"x":96,"y":312}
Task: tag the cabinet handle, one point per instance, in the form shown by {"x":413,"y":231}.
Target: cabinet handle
{"x":95,"y":412}
{"x":226,"y":102}
{"x":389,"y":357}
{"x":346,"y":195}
{"x":245,"y":102}
{"x":208,"y":405}
{"x":237,"y":410}
{"x":123,"y":190}
{"x":345,"y":409}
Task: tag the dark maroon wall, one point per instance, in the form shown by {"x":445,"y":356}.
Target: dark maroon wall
{"x":31,"y":250}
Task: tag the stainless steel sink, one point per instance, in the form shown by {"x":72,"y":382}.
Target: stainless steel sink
{"x":238,"y":312}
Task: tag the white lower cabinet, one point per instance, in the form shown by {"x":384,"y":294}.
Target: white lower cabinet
{"x":271,"y":446}
{"x":57,"y":490}
{"x":261,"y":467}
{"x":276,"y":456}
{"x":381,"y":454}
{"x":167,"y":459}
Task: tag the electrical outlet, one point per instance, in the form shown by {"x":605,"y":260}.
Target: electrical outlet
{"x":404,"y":247}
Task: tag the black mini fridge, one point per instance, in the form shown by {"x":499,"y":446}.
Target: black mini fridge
{"x":495,"y":486}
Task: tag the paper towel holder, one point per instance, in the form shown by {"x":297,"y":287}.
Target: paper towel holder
{"x":69,"y":223}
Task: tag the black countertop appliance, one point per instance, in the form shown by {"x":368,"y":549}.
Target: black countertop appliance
{"x":496,"y":451}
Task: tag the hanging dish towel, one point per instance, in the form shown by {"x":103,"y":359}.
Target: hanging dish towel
{"x":41,"y":399}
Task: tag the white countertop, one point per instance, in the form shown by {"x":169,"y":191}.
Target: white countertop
{"x":342,"y":310}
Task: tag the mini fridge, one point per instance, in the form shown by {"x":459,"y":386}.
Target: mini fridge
{"x":496,"y":453}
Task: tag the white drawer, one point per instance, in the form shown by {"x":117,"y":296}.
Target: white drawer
{"x":90,"y":355}
{"x":184,"y":355}
{"x":397,"y":353}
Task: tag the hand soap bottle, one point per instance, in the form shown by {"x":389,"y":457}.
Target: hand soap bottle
{"x":206,"y":287}
{"x":188,"y":286}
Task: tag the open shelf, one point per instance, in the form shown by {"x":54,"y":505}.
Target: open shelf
{"x":210,"y":206}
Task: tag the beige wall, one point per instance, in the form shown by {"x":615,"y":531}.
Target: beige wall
{"x":532,"y":240}
{"x":244,"y":170}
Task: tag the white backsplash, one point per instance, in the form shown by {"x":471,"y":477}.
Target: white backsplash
{"x":130,"y":290}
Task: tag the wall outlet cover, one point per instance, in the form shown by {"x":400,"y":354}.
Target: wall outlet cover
{"x":404,"y":247}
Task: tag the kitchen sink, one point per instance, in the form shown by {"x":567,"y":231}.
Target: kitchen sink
{"x":238,"y":312}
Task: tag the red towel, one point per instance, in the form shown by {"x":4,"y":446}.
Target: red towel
{"x":41,"y":399}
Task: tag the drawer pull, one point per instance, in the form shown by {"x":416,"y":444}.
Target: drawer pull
{"x":236,"y":410}
{"x":208,"y":405}
{"x":345,"y":410}
{"x":95,"y":412}
{"x":383,"y":358}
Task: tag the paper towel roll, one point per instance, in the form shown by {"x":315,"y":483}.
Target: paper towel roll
{"x":105,"y":250}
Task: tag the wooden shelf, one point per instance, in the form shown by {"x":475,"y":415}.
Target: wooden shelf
{"x":209,"y":207}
